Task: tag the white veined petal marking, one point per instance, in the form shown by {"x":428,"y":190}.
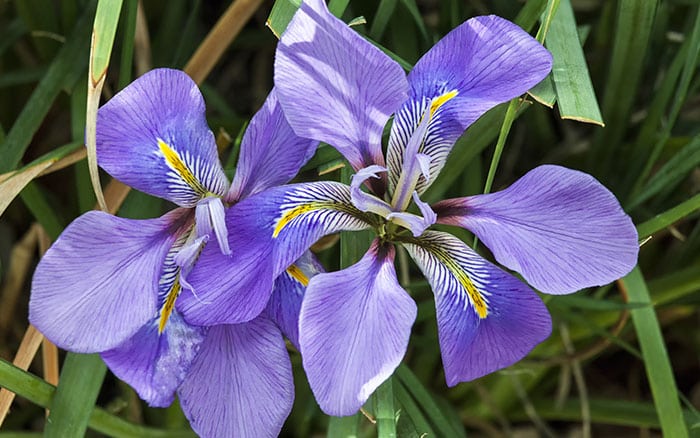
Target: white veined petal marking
{"x":434,"y":145}
{"x":328,"y":203}
{"x":190,"y":179}
{"x":445,"y":260}
{"x":169,"y":286}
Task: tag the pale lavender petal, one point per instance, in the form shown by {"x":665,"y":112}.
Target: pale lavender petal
{"x":285,"y":302}
{"x":267,"y":232}
{"x":98,"y":284}
{"x":487,"y":319}
{"x":560,"y":228}
{"x":271,"y":154}
{"x":335,"y":86}
{"x":240,"y":384}
{"x":417,"y":224}
{"x":156,"y":364}
{"x":365,"y":201}
{"x":353,"y":330}
{"x":153,"y":136}
{"x":485,"y":61}
{"x":211,"y":219}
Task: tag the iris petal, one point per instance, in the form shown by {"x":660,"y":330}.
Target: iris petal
{"x":290,"y":286}
{"x":153,"y":363}
{"x":271,"y":154}
{"x":240,"y":384}
{"x":483,"y":62}
{"x":353,"y":330}
{"x":98,"y":284}
{"x":487,"y":319}
{"x":153,"y":136}
{"x":335,"y":86}
{"x":269,"y":231}
{"x":560,"y":228}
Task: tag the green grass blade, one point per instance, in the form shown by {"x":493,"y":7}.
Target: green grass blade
{"x":433,"y":412}
{"x":412,"y":8}
{"x":410,"y":409}
{"x":281,"y":14}
{"x":127,"y":55}
{"x":680,"y":95}
{"x":544,"y":92}
{"x":39,"y":392}
{"x":668,"y":217}
{"x":633,"y":29}
{"x":656,"y":361}
{"x":575,"y":95}
{"x":337,"y":7}
{"x":35,"y":201}
{"x":381,"y":18}
{"x":105,"y":27}
{"x":603,"y":411}
{"x":65,"y":69}
{"x":673,"y":172}
{"x":75,"y":396}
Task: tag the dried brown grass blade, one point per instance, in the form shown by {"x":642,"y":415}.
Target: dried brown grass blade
{"x":21,"y":257}
{"x":27,"y":350}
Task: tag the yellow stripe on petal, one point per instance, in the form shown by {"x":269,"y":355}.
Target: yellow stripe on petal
{"x":298,"y":275}
{"x":440,"y":100}
{"x":475,"y":296}
{"x":169,"y":304}
{"x":175,"y":161}
{"x":292,"y":213}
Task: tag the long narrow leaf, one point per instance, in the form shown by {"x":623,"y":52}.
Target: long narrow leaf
{"x":656,"y":361}
{"x":575,"y":95}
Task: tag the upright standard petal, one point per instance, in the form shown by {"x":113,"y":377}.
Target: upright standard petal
{"x":153,"y":136}
{"x":560,"y":228}
{"x":483,"y":62}
{"x":285,"y":303}
{"x":487,"y":319}
{"x":98,"y":284}
{"x":240,"y":384}
{"x":271,"y":154}
{"x":353,"y":330}
{"x":155,"y":364}
{"x":267,"y":233}
{"x":335,"y":86}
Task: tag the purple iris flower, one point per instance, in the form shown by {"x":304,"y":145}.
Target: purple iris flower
{"x":559,"y":228}
{"x":111,"y":285}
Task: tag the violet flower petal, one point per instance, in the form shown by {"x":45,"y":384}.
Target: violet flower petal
{"x":486,"y":61}
{"x":560,"y":228}
{"x":268,"y":232}
{"x":98,"y":283}
{"x":153,"y":136}
{"x":271,"y":154}
{"x":285,"y":303}
{"x":366,"y":201}
{"x":240,"y":383}
{"x":156,"y":364}
{"x":353,"y":330}
{"x":492,"y":327}
{"x":335,"y":86}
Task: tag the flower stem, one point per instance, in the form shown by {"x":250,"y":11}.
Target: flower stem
{"x":384,"y":410}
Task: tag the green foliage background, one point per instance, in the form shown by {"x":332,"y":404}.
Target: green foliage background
{"x":623,"y":360}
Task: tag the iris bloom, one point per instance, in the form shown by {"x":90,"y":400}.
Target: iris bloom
{"x":559,"y":228}
{"x":111,"y":285}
